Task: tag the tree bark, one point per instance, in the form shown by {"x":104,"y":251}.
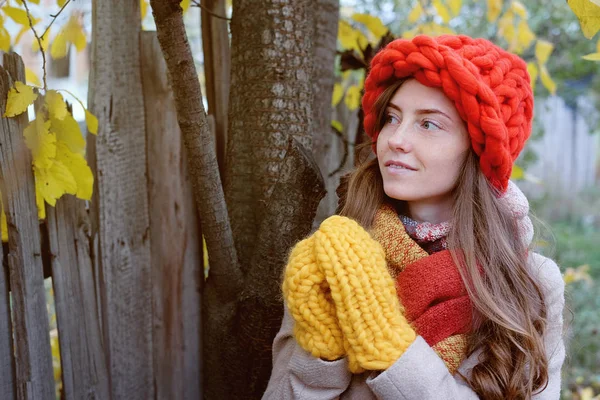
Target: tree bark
{"x":271,"y":98}
{"x":327,"y":148}
{"x":199,"y":143}
{"x":217,"y":67}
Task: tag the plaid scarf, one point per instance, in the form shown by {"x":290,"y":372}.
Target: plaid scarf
{"x":429,"y":286}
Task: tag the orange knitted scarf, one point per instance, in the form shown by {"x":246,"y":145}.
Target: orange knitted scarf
{"x":429,"y":287}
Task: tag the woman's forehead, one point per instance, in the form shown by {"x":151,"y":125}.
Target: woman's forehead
{"x":413,"y":95}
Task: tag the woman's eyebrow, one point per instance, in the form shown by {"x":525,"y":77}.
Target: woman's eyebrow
{"x":433,"y":111}
{"x":422,"y":110}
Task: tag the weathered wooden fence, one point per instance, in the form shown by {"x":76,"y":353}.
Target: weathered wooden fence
{"x":127,"y":330}
{"x":568,"y":152}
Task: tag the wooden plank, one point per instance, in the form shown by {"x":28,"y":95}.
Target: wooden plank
{"x":34,"y":375}
{"x":175,"y":237}
{"x":84,"y":371}
{"x":119,"y":208}
{"x":7,"y":361}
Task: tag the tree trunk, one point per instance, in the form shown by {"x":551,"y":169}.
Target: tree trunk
{"x":217,"y":66}
{"x":327,"y":148}
{"x":271,"y":98}
{"x":275,"y":185}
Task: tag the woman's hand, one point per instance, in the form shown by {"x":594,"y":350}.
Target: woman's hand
{"x":308,"y":298}
{"x":369,"y":313}
{"x":343,"y":299}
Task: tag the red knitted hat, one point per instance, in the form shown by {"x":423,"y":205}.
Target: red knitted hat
{"x":489,"y":86}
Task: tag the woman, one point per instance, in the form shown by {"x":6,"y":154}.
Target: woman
{"x":423,"y":287}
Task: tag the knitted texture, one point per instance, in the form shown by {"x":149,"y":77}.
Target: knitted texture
{"x":340,"y":273}
{"x":489,"y":86}
{"x":400,"y":249}
{"x":430,"y":288}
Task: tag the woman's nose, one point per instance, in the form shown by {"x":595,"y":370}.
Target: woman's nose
{"x":400,"y":139}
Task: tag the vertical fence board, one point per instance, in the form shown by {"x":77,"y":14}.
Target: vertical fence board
{"x":34,"y":376}
{"x":117,"y":157}
{"x":7,"y":361}
{"x":84,"y":371}
{"x":174,"y":235}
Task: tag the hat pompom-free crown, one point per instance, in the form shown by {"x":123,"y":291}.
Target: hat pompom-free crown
{"x":489,"y":86}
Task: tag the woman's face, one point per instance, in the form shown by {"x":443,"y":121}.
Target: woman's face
{"x":421,"y":146}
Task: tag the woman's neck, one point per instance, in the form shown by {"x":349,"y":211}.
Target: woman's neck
{"x":434,"y":213}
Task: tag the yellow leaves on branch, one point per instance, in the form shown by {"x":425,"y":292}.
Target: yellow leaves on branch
{"x":588,"y":14}
{"x":57,"y":146}
{"x":494,"y":8}
{"x":71,"y":33}
{"x":373,"y":24}
{"x":415,"y":13}
{"x":351,"y":38}
{"x":442,"y":10}
{"x":19,"y":98}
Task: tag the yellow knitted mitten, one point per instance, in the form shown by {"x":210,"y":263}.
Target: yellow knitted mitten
{"x":309,"y":301}
{"x":337,"y":282}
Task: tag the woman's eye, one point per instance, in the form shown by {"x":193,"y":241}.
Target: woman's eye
{"x":430,"y":125}
{"x":391,"y":119}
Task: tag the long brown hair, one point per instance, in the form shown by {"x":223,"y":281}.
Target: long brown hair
{"x":509,"y":308}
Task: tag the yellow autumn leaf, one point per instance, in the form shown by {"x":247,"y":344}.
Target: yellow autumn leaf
{"x":415,"y":13}
{"x":57,"y":108}
{"x":338,"y":92}
{"x":61,"y":3}
{"x":18,"y":15}
{"x":19,"y":98}
{"x":533,"y":73}
{"x":547,"y":80}
{"x":518,"y":8}
{"x":91,"y":122}
{"x":3,"y":224}
{"x":543,"y":49}
{"x":588,"y":15}
{"x":524,"y":36}
{"x":506,"y":27}
{"x":592,"y":57}
{"x":372,"y":23}
{"x":442,"y":10}
{"x":68,"y":132}
{"x":455,"y":6}
{"x":4,"y":39}
{"x":434,"y":29}
{"x":337,"y":125}
{"x":55,"y":181}
{"x":73,"y":33}
{"x":185,"y":5}
{"x":143,"y":8}
{"x":517,"y":173}
{"x":494,"y":8}
{"x":41,"y":142}
{"x":79,"y":168}
{"x":31,"y":77}
{"x":39,"y":200}
{"x":411,"y":33}
{"x":352,"y":98}
{"x":29,"y":1}
{"x":347,"y":36}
